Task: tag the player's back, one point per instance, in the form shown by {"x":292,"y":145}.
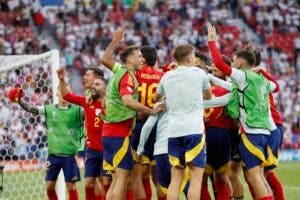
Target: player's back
{"x":148,"y":78}
{"x":183,"y":89}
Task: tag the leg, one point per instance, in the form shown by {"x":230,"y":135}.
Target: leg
{"x":120,"y":187}
{"x":275,"y":185}
{"x":234,"y":177}
{"x":51,"y":193}
{"x":106,"y":182}
{"x":196,"y":174}
{"x":204,"y":188}
{"x":89,"y":188}
{"x":73,"y":194}
{"x":262,"y":175}
{"x":176,"y":180}
{"x":137,"y":174}
{"x":147,"y":171}
{"x":254,"y":179}
{"x":112,"y":186}
{"x":221,"y":185}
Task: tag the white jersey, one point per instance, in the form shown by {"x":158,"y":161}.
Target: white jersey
{"x":183,"y":88}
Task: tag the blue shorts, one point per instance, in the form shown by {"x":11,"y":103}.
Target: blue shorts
{"x":93,"y":163}
{"x":253,"y":150}
{"x":235,"y":140}
{"x":117,"y":153}
{"x":274,"y":146}
{"x":67,"y":163}
{"x":218,"y":149}
{"x":187,"y":149}
{"x":163,"y":173}
{"x":148,"y":156}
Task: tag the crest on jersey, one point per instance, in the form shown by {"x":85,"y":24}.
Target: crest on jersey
{"x":98,"y":111}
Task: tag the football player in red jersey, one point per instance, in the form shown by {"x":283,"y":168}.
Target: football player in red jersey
{"x":148,"y":77}
{"x":94,"y":124}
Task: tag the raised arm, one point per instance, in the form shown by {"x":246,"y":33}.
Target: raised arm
{"x":215,"y":54}
{"x":15,"y":95}
{"x":63,"y":86}
{"x":107,"y":59}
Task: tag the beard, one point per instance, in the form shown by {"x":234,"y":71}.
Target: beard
{"x":95,"y":96}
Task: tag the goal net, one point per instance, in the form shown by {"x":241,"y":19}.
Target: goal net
{"x":23,"y":141}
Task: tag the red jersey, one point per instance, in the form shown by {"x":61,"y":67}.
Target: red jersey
{"x":215,"y":116}
{"x":275,"y":115}
{"x":148,"y":78}
{"x":93,"y":122}
{"x":123,"y":128}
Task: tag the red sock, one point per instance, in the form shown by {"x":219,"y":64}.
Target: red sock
{"x":222,"y":191}
{"x":89,"y":194}
{"x":251,"y":191}
{"x":162,"y":198}
{"x":73,"y":195}
{"x":275,"y":185}
{"x":129,"y":195}
{"x":147,"y":187}
{"x":52,"y":195}
{"x":204,"y":192}
{"x":266,"y":198}
{"x":99,"y":197}
{"x":106,"y":187}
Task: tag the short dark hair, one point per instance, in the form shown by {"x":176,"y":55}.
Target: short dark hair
{"x":127,"y":52}
{"x":149,"y":54}
{"x":181,"y":51}
{"x":257,"y":57}
{"x":247,"y":55}
{"x":96,"y":71}
{"x":201,"y":56}
{"x":227,"y":60}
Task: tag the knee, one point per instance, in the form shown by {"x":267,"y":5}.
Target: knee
{"x":220,"y":177}
{"x":50,"y":186}
{"x":71,"y":186}
{"x":89,"y":183}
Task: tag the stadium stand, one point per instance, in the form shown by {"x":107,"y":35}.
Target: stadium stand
{"x":84,"y":31}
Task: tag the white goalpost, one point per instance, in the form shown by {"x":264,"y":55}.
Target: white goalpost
{"x":23,"y":140}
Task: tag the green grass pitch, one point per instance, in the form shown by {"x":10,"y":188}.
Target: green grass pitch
{"x":30,"y":185}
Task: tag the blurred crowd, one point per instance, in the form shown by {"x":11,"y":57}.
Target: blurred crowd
{"x":83,"y":29}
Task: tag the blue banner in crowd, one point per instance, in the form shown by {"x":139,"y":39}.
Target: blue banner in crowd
{"x":289,"y":155}
{"x":52,"y":2}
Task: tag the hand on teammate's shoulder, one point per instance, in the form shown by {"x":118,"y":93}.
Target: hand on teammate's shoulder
{"x":158,"y":108}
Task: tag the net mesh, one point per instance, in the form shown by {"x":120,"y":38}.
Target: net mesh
{"x":23,"y":140}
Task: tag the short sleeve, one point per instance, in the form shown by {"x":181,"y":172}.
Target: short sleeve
{"x":160,"y":88}
{"x":127,"y":85}
{"x":239,"y":77}
{"x":117,"y":66}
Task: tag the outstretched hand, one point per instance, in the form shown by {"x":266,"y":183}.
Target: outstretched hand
{"x":119,"y":34}
{"x":211,"y":33}
{"x":15,"y":94}
{"x":61,"y":73}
